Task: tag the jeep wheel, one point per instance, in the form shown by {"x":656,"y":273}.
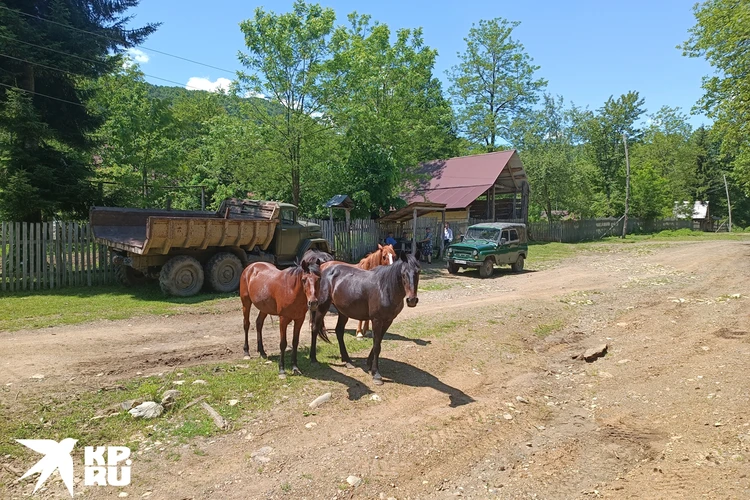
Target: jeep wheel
{"x":223,"y":272}
{"x":485,"y":270}
{"x":453,"y":268}
{"x":518,"y":265}
{"x":181,"y":276}
{"x":127,"y":276}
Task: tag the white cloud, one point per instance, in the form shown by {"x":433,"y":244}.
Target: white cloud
{"x":251,"y":93}
{"x":138,"y":56}
{"x":198,"y":83}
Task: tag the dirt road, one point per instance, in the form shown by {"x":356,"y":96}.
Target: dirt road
{"x":492,"y":405}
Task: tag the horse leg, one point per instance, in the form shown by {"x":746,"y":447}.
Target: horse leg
{"x":283,"y":323}
{"x":340,"y":324}
{"x":362,"y":328}
{"x":259,"y":333}
{"x":246,"y":305}
{"x":295,"y":343}
{"x":378,"y":331}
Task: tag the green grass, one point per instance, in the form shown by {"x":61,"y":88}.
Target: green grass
{"x":434,"y":287}
{"x":78,"y":305}
{"x":546,"y":329}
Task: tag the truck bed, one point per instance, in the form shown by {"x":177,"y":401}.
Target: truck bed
{"x":244,"y":224}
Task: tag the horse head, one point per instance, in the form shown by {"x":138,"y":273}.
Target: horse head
{"x":410,"y":270}
{"x":387,"y":255}
{"x":311,"y":282}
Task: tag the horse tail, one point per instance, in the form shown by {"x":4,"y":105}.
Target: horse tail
{"x":320,"y":332}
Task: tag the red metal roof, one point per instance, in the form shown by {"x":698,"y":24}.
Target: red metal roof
{"x":457,"y":182}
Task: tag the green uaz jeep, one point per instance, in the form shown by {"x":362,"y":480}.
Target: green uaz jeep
{"x":488,"y":245}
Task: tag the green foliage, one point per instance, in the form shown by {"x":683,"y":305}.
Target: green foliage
{"x":546,"y":138}
{"x":45,"y":142}
{"x":286,"y":55}
{"x":650,"y":197}
{"x":494,"y":82}
{"x":388,"y":108}
{"x":603,"y":133}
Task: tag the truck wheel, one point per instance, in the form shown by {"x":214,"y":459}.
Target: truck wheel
{"x":181,"y":276}
{"x":518,"y":265}
{"x":223,"y":272}
{"x":485,"y":270}
{"x":453,"y":268}
{"x":127,"y":276}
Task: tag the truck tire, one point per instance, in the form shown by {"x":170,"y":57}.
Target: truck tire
{"x":127,"y":276}
{"x":223,"y":272}
{"x":517,"y":266}
{"x":485,"y":270}
{"x":181,"y":276}
{"x":453,"y":267}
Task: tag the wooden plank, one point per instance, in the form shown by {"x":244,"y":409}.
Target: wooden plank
{"x":77,"y":254}
{"x":22,"y":252}
{"x":3,"y":257}
{"x":37,"y":256}
{"x":69,"y":255}
{"x":89,"y":249}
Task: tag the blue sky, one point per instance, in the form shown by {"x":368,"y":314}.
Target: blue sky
{"x":587,"y":50}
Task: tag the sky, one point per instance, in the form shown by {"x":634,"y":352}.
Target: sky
{"x":588,"y":50}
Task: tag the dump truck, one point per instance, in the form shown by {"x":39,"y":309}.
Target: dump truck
{"x":186,"y":250}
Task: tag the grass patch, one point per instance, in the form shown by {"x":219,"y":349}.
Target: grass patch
{"x":546,"y":329}
{"x":435,"y":287}
{"x":78,"y":305}
{"x":255,"y":384}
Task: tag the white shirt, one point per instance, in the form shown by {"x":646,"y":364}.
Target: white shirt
{"x":448,"y":234}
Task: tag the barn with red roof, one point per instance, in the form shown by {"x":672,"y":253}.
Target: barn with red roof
{"x":490,"y":186}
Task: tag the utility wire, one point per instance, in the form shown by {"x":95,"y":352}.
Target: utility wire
{"x":114,"y":39}
{"x":42,"y":95}
{"x":81,"y":58}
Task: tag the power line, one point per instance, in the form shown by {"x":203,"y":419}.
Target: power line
{"x":115,"y":40}
{"x":81,"y":58}
{"x":42,"y":95}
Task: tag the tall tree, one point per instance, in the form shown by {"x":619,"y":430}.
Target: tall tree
{"x":285,"y":57}
{"x":722,"y":36}
{"x":603,"y":133}
{"x":388,"y":108}
{"x":140,"y":148}
{"x":546,"y":139}
{"x":50,"y":48}
{"x":494,"y":82}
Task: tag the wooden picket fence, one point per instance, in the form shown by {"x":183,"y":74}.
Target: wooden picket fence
{"x":51,"y":255}
{"x":573,"y":231}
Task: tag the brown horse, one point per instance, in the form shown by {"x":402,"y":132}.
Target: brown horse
{"x":287,"y":294}
{"x":383,"y":256}
{"x":377,"y":295}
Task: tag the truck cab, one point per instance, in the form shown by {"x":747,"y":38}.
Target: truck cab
{"x":294,"y":237}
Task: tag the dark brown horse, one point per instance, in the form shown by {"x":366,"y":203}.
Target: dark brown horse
{"x":287,"y":294}
{"x":377,"y":295}
{"x":383,"y":256}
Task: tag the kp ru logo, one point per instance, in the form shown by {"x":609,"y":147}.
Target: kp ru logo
{"x":98,"y":470}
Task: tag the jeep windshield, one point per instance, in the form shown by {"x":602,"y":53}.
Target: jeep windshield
{"x":479,"y":233}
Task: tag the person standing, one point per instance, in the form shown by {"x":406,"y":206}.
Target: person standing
{"x":427,"y":245}
{"x":447,"y":236}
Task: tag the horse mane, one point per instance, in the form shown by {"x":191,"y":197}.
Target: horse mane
{"x":370,"y":261}
{"x":296,"y":270}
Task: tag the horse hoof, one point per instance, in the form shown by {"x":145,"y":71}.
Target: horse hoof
{"x":282,"y":376}
{"x":349,"y":365}
{"x":295,"y":371}
{"x":263,"y":355}
{"x":360,"y":336}
{"x":377,"y":381}
{"x":247,"y":356}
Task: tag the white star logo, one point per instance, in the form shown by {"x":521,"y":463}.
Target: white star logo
{"x":57,"y":456}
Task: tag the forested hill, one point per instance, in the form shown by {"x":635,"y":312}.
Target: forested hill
{"x":232,"y":103}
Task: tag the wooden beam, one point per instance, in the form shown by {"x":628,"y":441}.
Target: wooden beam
{"x":494,"y":202}
{"x":414,"y":234}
